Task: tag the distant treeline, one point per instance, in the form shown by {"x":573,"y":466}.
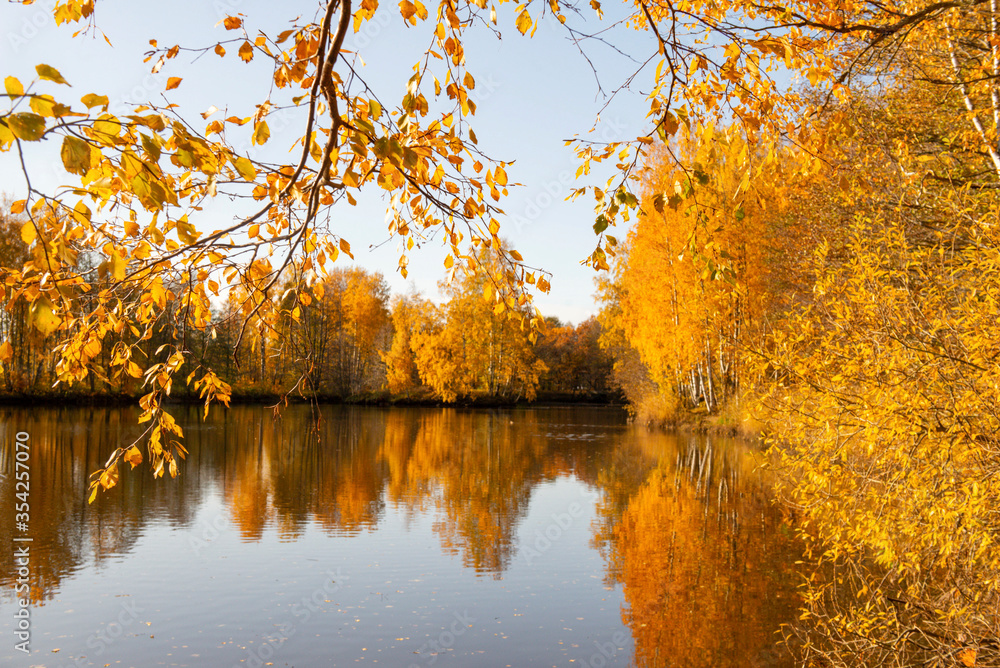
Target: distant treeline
{"x":345,"y":337}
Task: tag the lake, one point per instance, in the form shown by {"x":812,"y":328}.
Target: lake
{"x":400,"y":537}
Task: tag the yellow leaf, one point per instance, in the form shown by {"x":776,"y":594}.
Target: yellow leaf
{"x":232,"y":22}
{"x":186,"y":232}
{"x":245,"y":168}
{"x":29,"y":127}
{"x":346,"y":247}
{"x":28,"y":232}
{"x":449,"y":262}
{"x":173,"y":82}
{"x":523,"y":21}
{"x":220,"y":50}
{"x":517,"y":256}
{"x":90,"y":100}
{"x":494,"y":227}
{"x":6,"y":352}
{"x":261,"y":133}
{"x":50,"y":73}
{"x":42,"y":316}
{"x":133,"y":456}
{"x":407,"y":9}
{"x":75,"y":155}
{"x":500,"y":176}
{"x":110,"y":477}
{"x":93,"y":348}
{"x":13,"y":86}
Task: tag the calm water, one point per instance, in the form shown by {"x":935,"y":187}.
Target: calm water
{"x":396,"y":537}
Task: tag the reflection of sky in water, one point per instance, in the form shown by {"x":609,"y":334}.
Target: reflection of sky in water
{"x":433,"y":537}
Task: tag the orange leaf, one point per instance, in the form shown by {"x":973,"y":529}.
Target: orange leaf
{"x":246,"y":52}
{"x":133,"y":456}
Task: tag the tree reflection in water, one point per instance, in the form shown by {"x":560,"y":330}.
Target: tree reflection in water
{"x":685,"y":524}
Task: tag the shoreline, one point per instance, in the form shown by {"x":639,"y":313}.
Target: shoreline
{"x":544,"y":399}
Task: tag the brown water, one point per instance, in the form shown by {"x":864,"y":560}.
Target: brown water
{"x":395,"y":537}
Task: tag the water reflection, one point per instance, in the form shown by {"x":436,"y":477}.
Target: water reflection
{"x":707,"y":562}
{"x":701,"y":562}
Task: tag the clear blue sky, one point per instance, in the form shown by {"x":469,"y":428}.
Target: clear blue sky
{"x":532,"y":94}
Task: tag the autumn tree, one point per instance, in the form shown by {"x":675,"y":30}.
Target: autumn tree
{"x":879,"y":394}
{"x":692,"y":285}
{"x":574,"y":358}
{"x":400,"y":362}
{"x":15,"y":328}
{"x":141,"y":179}
{"x":338,"y":332}
{"x":471,"y":345}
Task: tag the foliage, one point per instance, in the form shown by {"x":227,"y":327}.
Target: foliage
{"x":339,"y":335}
{"x":694,"y":283}
{"x":870,"y":334}
{"x":575,"y":361}
{"x":400,"y":363}
{"x":471,"y":344}
{"x":883,"y":402}
{"x":143,"y":178}
{"x":877,"y":362}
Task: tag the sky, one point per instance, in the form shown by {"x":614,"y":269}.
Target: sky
{"x":532,"y":94}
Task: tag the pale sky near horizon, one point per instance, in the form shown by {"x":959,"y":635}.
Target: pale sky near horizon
{"x":532,"y":94}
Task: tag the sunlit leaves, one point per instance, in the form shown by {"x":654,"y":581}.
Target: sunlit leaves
{"x":91,"y":100}
{"x":13,"y":87}
{"x":412,"y":11}
{"x":501,"y":361}
{"x":523,"y":22}
{"x":127,"y":240}
{"x":109,"y":478}
{"x":42,"y":315}
{"x":133,"y":456}
{"x":26,"y":126}
{"x":245,"y":169}
{"x":345,"y":248}
{"x":261,"y":133}
{"x":246,"y":52}
{"x":50,"y":74}
{"x":75,"y":155}
{"x":28,"y":233}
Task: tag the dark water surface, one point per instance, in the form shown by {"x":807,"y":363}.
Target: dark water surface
{"x":396,"y":537}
